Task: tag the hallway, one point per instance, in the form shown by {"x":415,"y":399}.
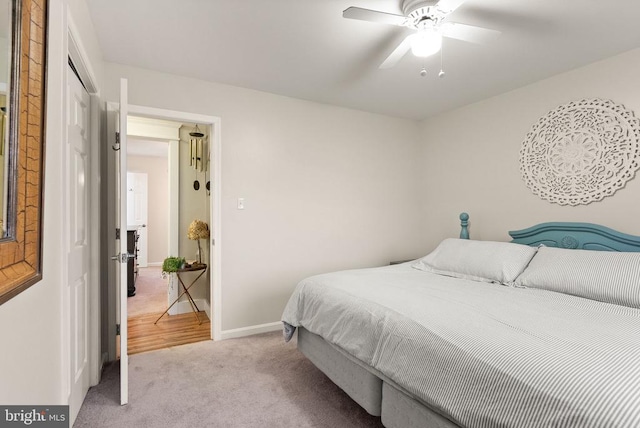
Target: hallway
{"x":146,"y":306}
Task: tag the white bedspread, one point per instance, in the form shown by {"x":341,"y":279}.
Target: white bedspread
{"x":484,"y":354}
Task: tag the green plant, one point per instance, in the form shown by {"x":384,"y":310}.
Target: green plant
{"x":172,"y":264}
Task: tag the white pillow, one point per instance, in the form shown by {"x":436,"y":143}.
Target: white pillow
{"x":485,"y":261}
{"x":605,"y":276}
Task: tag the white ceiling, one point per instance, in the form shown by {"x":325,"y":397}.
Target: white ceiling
{"x":305,"y":49}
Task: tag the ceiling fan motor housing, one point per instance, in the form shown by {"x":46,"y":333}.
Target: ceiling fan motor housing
{"x":421,"y":13}
{"x":411,"y":6}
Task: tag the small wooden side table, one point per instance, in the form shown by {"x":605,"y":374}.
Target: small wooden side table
{"x":194,"y":268}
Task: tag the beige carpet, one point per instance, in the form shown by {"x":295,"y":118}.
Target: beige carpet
{"x":257,"y":381}
{"x":151,"y":293}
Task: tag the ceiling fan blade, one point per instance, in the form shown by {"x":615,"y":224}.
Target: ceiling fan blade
{"x":373,"y":16}
{"x":448,"y":6}
{"x":468,"y":33}
{"x":397,"y":53}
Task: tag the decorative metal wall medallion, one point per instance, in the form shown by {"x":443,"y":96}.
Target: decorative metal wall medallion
{"x":581,"y":152}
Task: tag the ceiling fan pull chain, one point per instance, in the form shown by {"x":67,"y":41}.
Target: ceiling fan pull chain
{"x":441,"y":73}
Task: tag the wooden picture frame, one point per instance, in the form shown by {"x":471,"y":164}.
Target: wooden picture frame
{"x":21,"y":250}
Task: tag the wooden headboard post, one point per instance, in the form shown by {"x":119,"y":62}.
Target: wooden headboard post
{"x":464,"y":226}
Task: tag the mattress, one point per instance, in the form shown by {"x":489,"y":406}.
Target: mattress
{"x":482,"y":354}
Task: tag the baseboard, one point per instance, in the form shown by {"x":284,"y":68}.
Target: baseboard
{"x":183,"y":307}
{"x":251,"y":330}
{"x":103,"y":360}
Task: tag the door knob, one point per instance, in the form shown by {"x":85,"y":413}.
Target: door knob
{"x":123,"y":258}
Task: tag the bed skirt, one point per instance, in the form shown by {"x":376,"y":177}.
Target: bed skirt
{"x":377,"y":396}
{"x":362,"y":386}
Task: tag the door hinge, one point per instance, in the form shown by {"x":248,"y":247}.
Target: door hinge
{"x":117,"y":233}
{"x":117,"y":329}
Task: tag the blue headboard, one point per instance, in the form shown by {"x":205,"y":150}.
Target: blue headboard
{"x":586,"y":236}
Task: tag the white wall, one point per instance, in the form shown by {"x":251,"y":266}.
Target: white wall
{"x":325,"y":187}
{"x":157,"y":170}
{"x":34,"y":360}
{"x":470,"y":158}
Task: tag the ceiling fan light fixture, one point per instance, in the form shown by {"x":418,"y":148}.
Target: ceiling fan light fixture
{"x":426,"y":43}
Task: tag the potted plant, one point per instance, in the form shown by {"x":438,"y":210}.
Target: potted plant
{"x":172,"y":264}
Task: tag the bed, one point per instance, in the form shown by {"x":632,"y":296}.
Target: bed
{"x":539,"y":332}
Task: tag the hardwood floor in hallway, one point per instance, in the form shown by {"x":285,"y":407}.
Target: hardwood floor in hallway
{"x":171,"y":330}
{"x":147,"y":305}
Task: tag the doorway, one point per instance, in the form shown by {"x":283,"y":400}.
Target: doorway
{"x":117,"y":119}
{"x":158,"y":167}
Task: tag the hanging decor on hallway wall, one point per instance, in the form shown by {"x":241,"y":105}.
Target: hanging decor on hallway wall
{"x":581,"y":152}
{"x":197,"y":154}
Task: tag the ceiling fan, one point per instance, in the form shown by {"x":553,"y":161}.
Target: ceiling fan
{"x":428,"y":18}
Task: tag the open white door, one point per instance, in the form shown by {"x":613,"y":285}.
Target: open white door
{"x":123,"y":255}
